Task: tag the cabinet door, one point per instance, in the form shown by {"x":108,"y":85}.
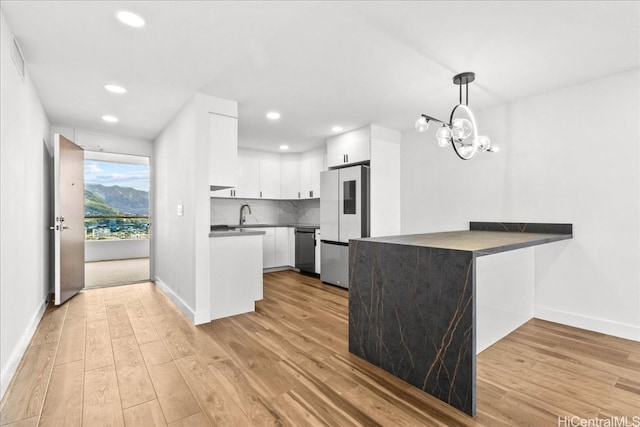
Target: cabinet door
{"x":268,"y":247}
{"x":305,"y":178}
{"x":291,"y":256}
{"x":336,"y":151}
{"x":289,"y":177}
{"x":223,"y":150}
{"x":316,"y":167}
{"x":227,"y":192}
{"x":282,"y":247}
{"x":248,"y":176}
{"x":270,"y":177}
{"x":358,"y":151}
{"x":318,"y":245}
{"x":350,"y":147}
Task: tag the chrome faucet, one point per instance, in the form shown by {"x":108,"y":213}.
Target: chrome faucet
{"x":242,"y":218}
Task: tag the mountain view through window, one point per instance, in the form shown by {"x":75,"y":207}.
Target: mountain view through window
{"x":116,"y":200}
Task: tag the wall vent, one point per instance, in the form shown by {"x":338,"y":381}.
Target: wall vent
{"x":18,"y":59}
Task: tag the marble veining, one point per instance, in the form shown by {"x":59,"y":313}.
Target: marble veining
{"x":411,"y":313}
{"x":412,"y":302}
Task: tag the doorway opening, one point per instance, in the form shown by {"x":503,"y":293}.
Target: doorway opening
{"x":116,"y":219}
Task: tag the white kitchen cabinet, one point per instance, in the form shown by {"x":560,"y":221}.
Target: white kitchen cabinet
{"x":291,"y":236}
{"x":269,"y":176}
{"x":349,"y":148}
{"x":268,"y":247}
{"x":289,"y":176}
{"x":248,"y":175}
{"x":283,"y":252}
{"x":318,"y":245}
{"x":223,"y":151}
{"x":311,"y":164}
{"x":235,"y":265}
{"x":276,"y":177}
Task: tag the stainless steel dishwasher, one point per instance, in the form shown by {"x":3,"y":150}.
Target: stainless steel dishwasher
{"x":306,"y":250}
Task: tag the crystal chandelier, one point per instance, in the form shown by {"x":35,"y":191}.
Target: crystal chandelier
{"x":461,"y":132}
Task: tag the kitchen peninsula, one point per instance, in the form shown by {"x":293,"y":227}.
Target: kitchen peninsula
{"x":414,"y":301}
{"x":235,"y":263}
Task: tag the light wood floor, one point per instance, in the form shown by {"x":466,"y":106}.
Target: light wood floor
{"x":126,"y":356}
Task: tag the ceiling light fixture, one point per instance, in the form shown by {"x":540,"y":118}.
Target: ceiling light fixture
{"x":110,"y":119}
{"x":130,"y":19}
{"x":337,"y":129}
{"x":273,"y":115}
{"x":461,"y":132}
{"x":115,"y":88}
{"x":284,"y":147}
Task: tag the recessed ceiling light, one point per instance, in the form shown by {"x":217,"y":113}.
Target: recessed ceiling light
{"x":115,"y":88}
{"x":130,"y":19}
{"x":273,"y":115}
{"x":110,"y":119}
{"x":284,"y":147}
{"x":337,"y":129}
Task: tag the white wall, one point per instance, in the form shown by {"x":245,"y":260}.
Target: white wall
{"x":181,"y":177}
{"x":24,"y":210}
{"x":567,"y":156}
{"x":384,"y":186}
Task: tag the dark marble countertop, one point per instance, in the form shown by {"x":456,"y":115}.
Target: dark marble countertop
{"x":478,"y":242}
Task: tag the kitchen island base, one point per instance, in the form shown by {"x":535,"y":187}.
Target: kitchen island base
{"x":412,"y":303}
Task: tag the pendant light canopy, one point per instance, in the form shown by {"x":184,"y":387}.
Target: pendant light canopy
{"x":461,"y":132}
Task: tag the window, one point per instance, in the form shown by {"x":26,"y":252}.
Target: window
{"x":116,"y":200}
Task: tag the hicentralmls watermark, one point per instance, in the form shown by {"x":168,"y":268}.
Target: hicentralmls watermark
{"x":623,"y":421}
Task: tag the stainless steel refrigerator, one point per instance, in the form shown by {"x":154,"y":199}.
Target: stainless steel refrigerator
{"x":344,"y":215}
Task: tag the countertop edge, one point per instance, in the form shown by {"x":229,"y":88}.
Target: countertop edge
{"x":515,"y":246}
{"x":236,"y":233}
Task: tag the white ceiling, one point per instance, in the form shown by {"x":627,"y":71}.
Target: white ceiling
{"x":318,"y":63}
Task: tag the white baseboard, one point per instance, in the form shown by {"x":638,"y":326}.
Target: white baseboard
{"x":11,"y":367}
{"x":196,"y":318}
{"x":182,"y":306}
{"x":603,"y":326}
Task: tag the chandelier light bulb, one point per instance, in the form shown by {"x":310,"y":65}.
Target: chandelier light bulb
{"x":422,"y":124}
{"x":482,"y":142}
{"x":461,"y":128}
{"x":443,"y":135}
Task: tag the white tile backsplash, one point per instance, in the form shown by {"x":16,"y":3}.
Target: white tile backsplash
{"x":227,"y":211}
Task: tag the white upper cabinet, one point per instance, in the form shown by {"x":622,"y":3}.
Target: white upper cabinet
{"x":223,"y":150}
{"x":289,"y":176}
{"x":248,"y":175}
{"x":276,"y":176}
{"x":349,"y":148}
{"x":269,"y":176}
{"x":311,"y":164}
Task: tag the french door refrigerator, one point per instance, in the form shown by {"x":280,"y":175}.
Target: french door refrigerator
{"x":344,"y":215}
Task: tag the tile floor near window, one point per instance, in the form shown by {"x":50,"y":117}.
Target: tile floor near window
{"x":126,"y":356}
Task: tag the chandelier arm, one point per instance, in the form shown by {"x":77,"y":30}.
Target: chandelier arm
{"x":429,"y":118}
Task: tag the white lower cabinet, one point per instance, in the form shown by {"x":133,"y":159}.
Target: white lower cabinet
{"x":282,"y":247}
{"x":268,"y":247}
{"x":278,"y":247}
{"x":317,"y":236}
{"x":235,"y":266}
